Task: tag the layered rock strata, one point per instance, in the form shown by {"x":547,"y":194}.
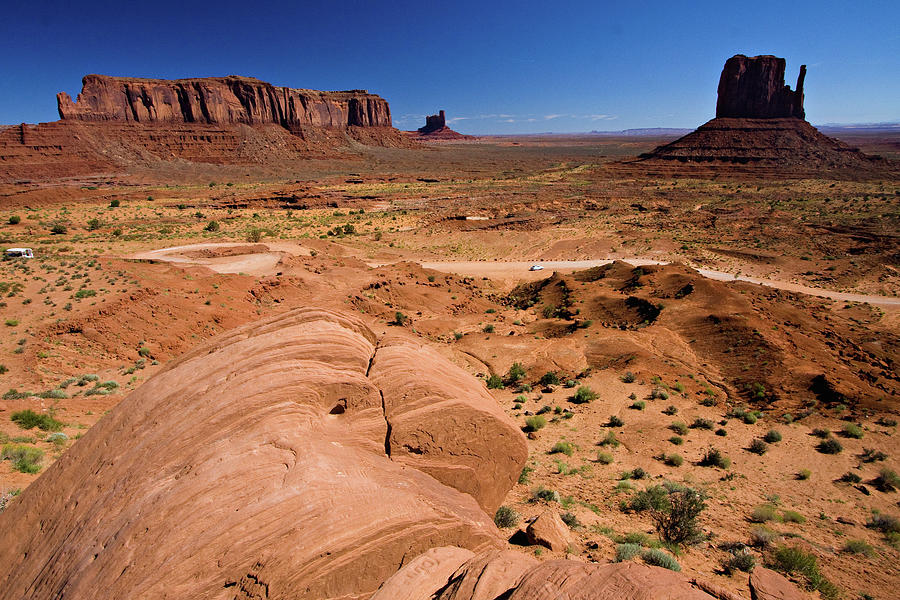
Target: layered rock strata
{"x":287,"y":459}
{"x":752,"y":87}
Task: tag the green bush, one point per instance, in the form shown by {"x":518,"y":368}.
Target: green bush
{"x":794,"y":560}
{"x":25,"y":459}
{"x":859,"y":547}
{"x":489,"y":328}
{"x":15,"y":220}
{"x":763,"y":513}
{"x":516,"y":373}
{"x":679,"y":428}
{"x":821,"y":433}
{"x":653,"y":497}
{"x":563,"y":448}
{"x":639,"y":405}
{"x":213,"y":226}
{"x":627,"y":551}
{"x":852,"y":431}
{"x":28,"y":419}
{"x":658,"y":558}
{"x":549,"y":378}
{"x":677,"y":440}
{"x":604,"y":458}
{"x":714,"y":458}
{"x":59,"y":229}
{"x":583,"y":395}
{"x":742,"y":560}
{"x":628,"y":377}
{"x":569,"y":519}
{"x":609,"y":440}
{"x":114,"y":204}
{"x":849,"y":477}
{"x":758,"y":446}
{"x":761,"y":537}
{"x":721,"y":432}
{"x":535,"y":423}
{"x":829,"y":446}
{"x":542,"y":493}
{"x":804,"y":474}
{"x":674,"y":460}
{"x":790,"y":516}
{"x":772,"y":436}
{"x":495,"y":382}
{"x":670,"y":410}
{"x":506,"y":517}
{"x":700,"y":423}
{"x":887,"y":480}
{"x":676,"y":519}
{"x":615,"y":421}
{"x":884,"y":523}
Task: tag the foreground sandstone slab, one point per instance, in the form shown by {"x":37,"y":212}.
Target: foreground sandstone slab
{"x":256,"y":466}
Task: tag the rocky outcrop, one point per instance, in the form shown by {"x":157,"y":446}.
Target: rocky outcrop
{"x":752,"y":87}
{"x":263,"y":464}
{"x":766,"y":584}
{"x":433,"y":123}
{"x":514,"y":576}
{"x":220,"y":101}
{"x":548,"y":530}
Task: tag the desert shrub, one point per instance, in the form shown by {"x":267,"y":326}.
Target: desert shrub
{"x":772,"y":436}
{"x":15,"y":220}
{"x":57,"y":438}
{"x":829,"y":446}
{"x":653,"y":497}
{"x":852,"y":431}
{"x":721,"y":432}
{"x":212,"y":226}
{"x":549,"y":378}
{"x":849,"y":477}
{"x":28,"y":419}
{"x":886,"y":422}
{"x":635,"y":537}
{"x":884,"y":523}
{"x":794,"y":560}
{"x":542,"y":493}
{"x":569,"y":519}
{"x":615,"y":421}
{"x":584,"y":395}
{"x":495,"y":382}
{"x":859,"y":547}
{"x":758,"y":446}
{"x":761,"y":537}
{"x":639,"y":405}
{"x":676,"y":518}
{"x":628,"y":377}
{"x":636,"y":473}
{"x":535,"y":423}
{"x":400,"y":318}
{"x":763,"y":513}
{"x":525,"y":475}
{"x":457,"y":335}
{"x":56,"y":394}
{"x":670,"y":410}
{"x":544,"y":409}
{"x":115,"y":203}
{"x":516,"y":373}
{"x":790,"y":516}
{"x":870,"y":455}
{"x":700,"y":423}
{"x":627,"y":551}
{"x":659,"y":394}
{"x":563,"y":448}
{"x":804,"y":474}
{"x":677,"y":440}
{"x":741,"y":560}
{"x":887,"y":481}
{"x":255,"y":235}
{"x":674,"y":460}
{"x":25,"y":459}
{"x":609,"y":440}
{"x":489,"y":328}
{"x":714,"y":458}
{"x":59,"y":229}
{"x":94,"y":224}
{"x":821,"y":433}
{"x":570,"y":383}
{"x":506,"y":517}
{"x":749,"y":418}
{"x":658,"y":558}
{"x":604,"y":458}
{"x":679,"y":428}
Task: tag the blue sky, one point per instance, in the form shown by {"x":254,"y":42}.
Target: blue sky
{"x":495,"y":67}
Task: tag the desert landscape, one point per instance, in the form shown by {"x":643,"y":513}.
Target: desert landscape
{"x":271,"y":346}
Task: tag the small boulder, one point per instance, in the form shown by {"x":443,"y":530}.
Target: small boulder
{"x":548,"y":530}
{"x":766,"y":584}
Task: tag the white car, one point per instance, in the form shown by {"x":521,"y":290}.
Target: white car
{"x":536,"y":268}
{"x":19,"y":253}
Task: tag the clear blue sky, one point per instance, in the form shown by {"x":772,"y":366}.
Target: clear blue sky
{"x":495,"y":67}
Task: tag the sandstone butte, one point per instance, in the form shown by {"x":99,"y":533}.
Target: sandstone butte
{"x":435,"y":128}
{"x":118,"y":124}
{"x":760,"y":121}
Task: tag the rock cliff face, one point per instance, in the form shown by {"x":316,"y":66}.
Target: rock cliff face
{"x":220,"y":101}
{"x":752,"y":87}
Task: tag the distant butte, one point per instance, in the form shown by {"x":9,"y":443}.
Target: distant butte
{"x":436,"y":128}
{"x":760,"y":122}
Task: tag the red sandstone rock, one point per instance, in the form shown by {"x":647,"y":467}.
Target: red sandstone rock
{"x":753,"y":88}
{"x":766,"y":584}
{"x":433,"y":123}
{"x":220,"y":101}
{"x":436,"y":128}
{"x":254,"y":464}
{"x":548,"y":530}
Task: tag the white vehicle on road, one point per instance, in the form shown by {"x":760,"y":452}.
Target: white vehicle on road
{"x":19,"y":253}
{"x":536,"y":268}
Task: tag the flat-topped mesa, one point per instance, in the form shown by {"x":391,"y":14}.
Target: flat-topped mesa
{"x":752,"y":87}
{"x":220,"y":101}
{"x":433,"y":123}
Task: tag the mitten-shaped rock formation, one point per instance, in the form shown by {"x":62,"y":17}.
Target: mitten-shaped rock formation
{"x":220,"y":101}
{"x":287,"y":459}
{"x":753,"y":88}
{"x":760,"y":122}
{"x":436,"y":129}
